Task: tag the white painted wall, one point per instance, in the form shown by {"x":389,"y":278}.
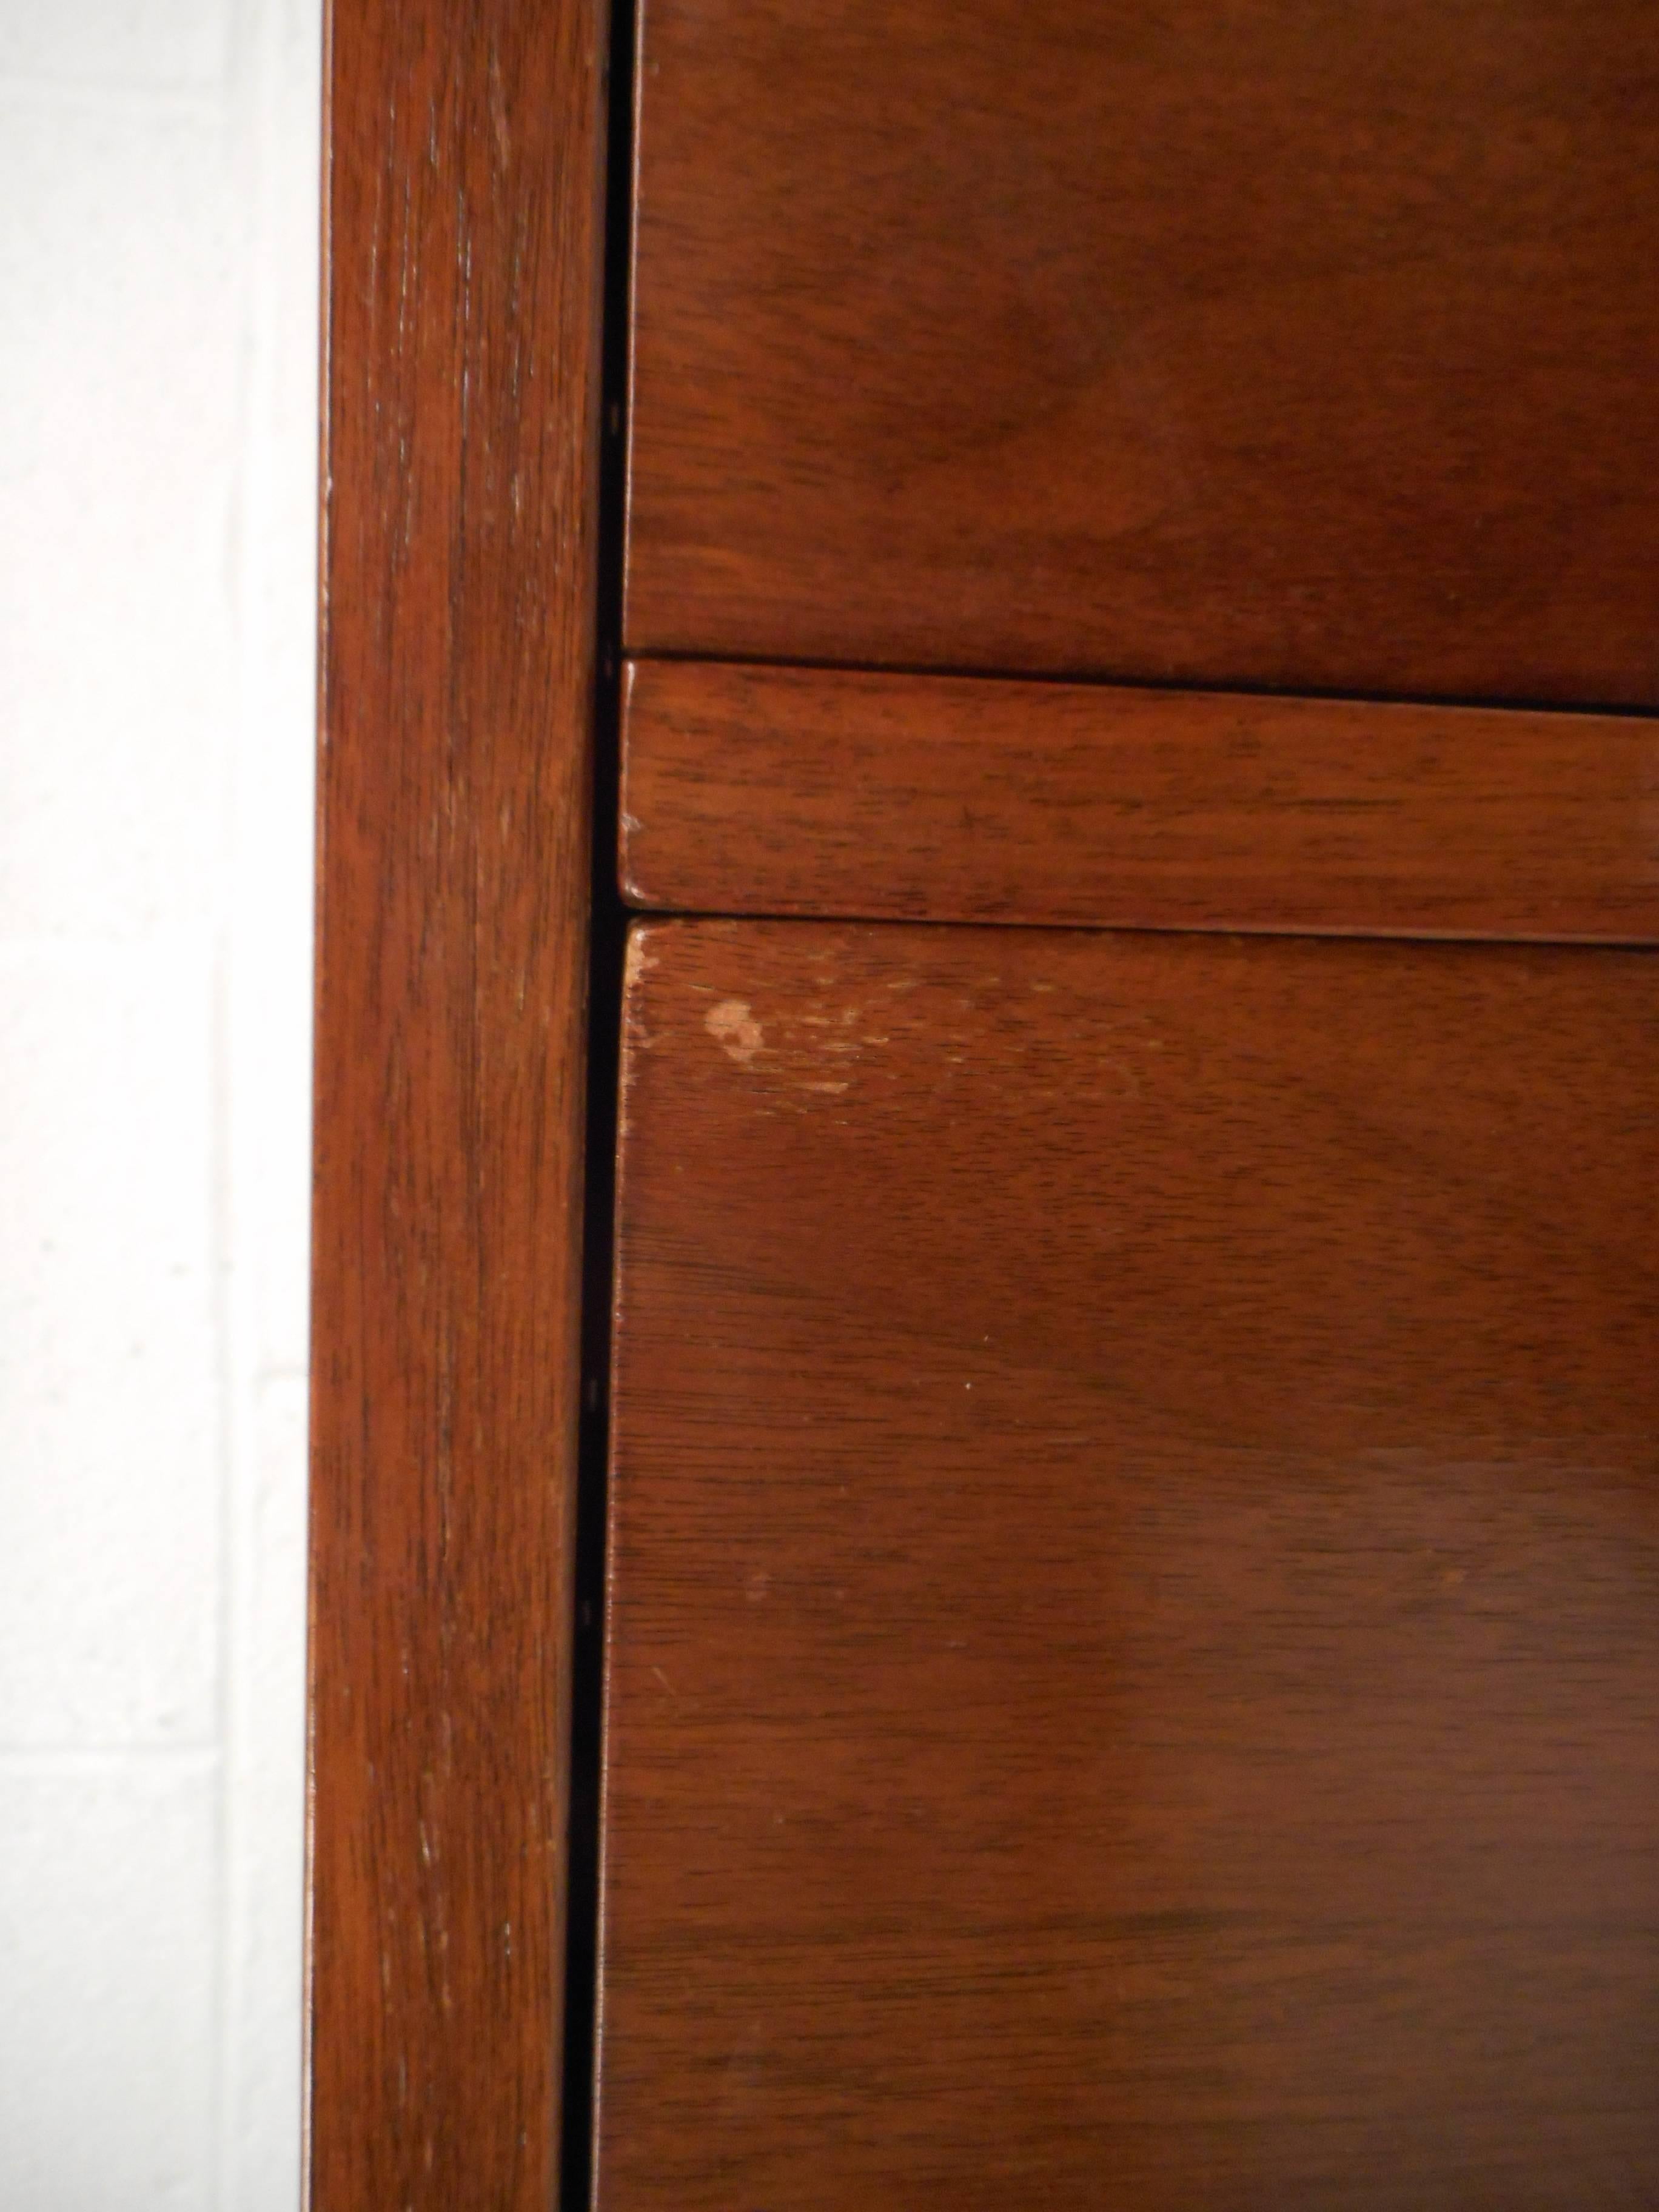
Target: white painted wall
{"x":158,"y":274}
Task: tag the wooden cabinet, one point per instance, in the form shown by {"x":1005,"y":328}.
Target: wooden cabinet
{"x":1116,"y":548}
{"x":1134,"y":1552}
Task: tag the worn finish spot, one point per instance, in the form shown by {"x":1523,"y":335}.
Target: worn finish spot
{"x":732,"y":1024}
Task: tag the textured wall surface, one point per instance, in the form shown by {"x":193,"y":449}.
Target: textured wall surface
{"x":158,"y":274}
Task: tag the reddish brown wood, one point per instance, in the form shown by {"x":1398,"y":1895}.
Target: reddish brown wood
{"x":1135,"y":1631}
{"x":1237,"y":345}
{"x":464,"y":198}
{"x":783,"y":791}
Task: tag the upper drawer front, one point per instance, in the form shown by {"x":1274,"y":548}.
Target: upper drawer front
{"x":1257,"y":343}
{"x":855,"y":792}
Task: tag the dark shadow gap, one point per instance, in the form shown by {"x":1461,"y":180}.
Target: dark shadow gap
{"x":608,"y":924}
{"x":1098,"y":680}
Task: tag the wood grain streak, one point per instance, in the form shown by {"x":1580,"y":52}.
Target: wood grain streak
{"x":1253,"y":345}
{"x":1134,"y":1617}
{"x":783,"y":791}
{"x":463,"y":243}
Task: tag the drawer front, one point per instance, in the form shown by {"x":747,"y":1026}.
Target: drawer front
{"x":1265,"y":344}
{"x":1135,"y":1589}
{"x":866,"y":795}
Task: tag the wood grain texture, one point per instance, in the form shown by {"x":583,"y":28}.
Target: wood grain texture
{"x":1264,"y":345}
{"x":464,"y":241}
{"x":1135,"y":1616}
{"x":784,"y":791}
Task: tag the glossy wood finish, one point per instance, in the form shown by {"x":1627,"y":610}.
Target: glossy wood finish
{"x":784,"y":791}
{"x":1254,"y":344}
{"x":1134,"y":1631}
{"x":463,"y":200}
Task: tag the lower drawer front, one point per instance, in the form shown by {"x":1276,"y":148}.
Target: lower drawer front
{"x":1134,"y":1610}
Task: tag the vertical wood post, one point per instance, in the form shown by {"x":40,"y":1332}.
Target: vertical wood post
{"x":463,"y":220}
